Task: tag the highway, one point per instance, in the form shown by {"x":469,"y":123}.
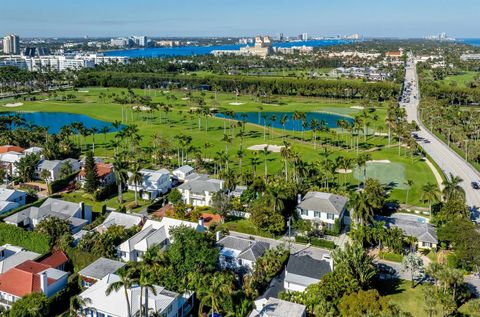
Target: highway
{"x":446,"y":158}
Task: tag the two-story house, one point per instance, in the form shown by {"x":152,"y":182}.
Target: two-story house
{"x":198,"y":190}
{"x":54,"y":167}
{"x":239,"y":254}
{"x":153,"y":233}
{"x":162,"y":302}
{"x":11,"y":199}
{"x":323,"y":208}
{"x":153,"y":184}
{"x":106,"y":175}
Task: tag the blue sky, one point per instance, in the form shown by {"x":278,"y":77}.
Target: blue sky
{"x":400,"y":18}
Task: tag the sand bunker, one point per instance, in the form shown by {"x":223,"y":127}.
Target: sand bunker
{"x":236,"y":103}
{"x":141,"y":108}
{"x":186,"y":98}
{"x":357,"y":107}
{"x":84,"y":91}
{"x":271,"y":148}
{"x":13,"y":105}
{"x":381,"y":134}
{"x":344,"y":171}
{"x":380,"y":161}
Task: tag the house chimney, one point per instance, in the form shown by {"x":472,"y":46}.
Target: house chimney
{"x":218,"y":236}
{"x":328,"y":258}
{"x":299,"y":198}
{"x":82,"y":207}
{"x":201,"y":222}
{"x":44,"y":283}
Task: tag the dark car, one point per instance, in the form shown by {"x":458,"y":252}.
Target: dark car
{"x":475,"y":185}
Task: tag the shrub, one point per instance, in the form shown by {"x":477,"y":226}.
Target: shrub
{"x":105,"y":192}
{"x":60,"y":184}
{"x":30,"y":240}
{"x":301,"y":239}
{"x":322,"y":243}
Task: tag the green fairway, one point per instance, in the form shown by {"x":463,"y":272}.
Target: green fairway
{"x":462,"y":79}
{"x":180,"y":120}
{"x":391,"y":174}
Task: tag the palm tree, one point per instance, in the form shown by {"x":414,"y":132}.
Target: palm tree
{"x":265,"y":154}
{"x":120,"y":168}
{"x":136,"y":177}
{"x":363,"y":210}
{"x":431,"y":194}
{"x":125,"y":282}
{"x":45,"y":175}
{"x":254,"y":161}
{"x":77,"y":304}
{"x":452,"y":188}
{"x":283,"y":121}
{"x":286,"y":152}
{"x":409,"y":184}
{"x":240,"y":155}
{"x":146,"y":284}
{"x":216,"y":290}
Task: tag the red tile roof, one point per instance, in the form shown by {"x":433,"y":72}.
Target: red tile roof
{"x":210,"y":219}
{"x":166,"y":210}
{"x":10,"y":148}
{"x":23,"y":279}
{"x":55,"y":260}
{"x":102,"y":170}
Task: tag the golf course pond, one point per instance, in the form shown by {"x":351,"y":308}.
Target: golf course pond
{"x":54,"y":121}
{"x":274,"y":119}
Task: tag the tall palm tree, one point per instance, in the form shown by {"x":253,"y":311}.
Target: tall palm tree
{"x":363,"y":210}
{"x":409,"y":183}
{"x":215,"y":292}
{"x":286,"y":152}
{"x":125,"y":282}
{"x":431,"y":194}
{"x":120,"y":169}
{"x":147,"y":285}
{"x":77,"y":304}
{"x":265,"y":154}
{"x":452,"y":188}
{"x":136,"y":177}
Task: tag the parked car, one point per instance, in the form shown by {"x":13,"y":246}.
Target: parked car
{"x":475,"y":185}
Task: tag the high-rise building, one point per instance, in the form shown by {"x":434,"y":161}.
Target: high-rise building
{"x":305,"y":37}
{"x":11,"y":45}
{"x":140,"y":40}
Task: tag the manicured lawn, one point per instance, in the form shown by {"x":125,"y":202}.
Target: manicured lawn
{"x":391,"y":257}
{"x":408,"y":299}
{"x":244,"y":226}
{"x":179,"y":121}
{"x":128,"y":198}
{"x":461,"y":79}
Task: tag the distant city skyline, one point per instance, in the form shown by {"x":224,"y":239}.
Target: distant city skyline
{"x":371,"y":18}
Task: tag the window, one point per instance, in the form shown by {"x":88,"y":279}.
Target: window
{"x":303,"y":212}
{"x":329,"y":226}
{"x":317,"y":214}
{"x":427,"y":244}
{"x":330,"y":216}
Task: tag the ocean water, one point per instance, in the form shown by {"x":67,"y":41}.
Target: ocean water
{"x":205,"y":50}
{"x":473,"y":42}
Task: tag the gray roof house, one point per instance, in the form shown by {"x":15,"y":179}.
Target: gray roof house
{"x":322,"y":207}
{"x":78,"y":215}
{"x":239,"y":253}
{"x":98,"y":270}
{"x":274,"y":307}
{"x":11,"y":199}
{"x":413,"y":226}
{"x":303,"y":270}
{"x":120,"y":219}
{"x":183,"y":172}
{"x":11,"y":256}
{"x":55,"y":167}
{"x":198,"y":189}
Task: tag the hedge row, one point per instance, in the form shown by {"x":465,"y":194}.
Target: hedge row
{"x":60,"y":184}
{"x":316,"y":242}
{"x":30,"y":240}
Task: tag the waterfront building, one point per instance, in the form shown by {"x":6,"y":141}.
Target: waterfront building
{"x":11,"y":44}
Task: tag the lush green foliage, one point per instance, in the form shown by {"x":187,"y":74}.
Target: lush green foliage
{"x":32,"y":241}
{"x":105,"y":243}
{"x":92,"y":181}
{"x":58,"y":230}
{"x":33,"y":305}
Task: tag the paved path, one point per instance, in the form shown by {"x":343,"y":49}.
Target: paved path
{"x":446,"y":158}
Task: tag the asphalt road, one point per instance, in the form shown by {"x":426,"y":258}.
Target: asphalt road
{"x":446,"y":159}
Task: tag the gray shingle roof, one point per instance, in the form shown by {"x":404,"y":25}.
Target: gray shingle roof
{"x":101,"y":268}
{"x":200,"y":186}
{"x":184,"y":169}
{"x":305,"y":265}
{"x":279,"y":308}
{"x":424,"y":232}
{"x":249,"y":249}
{"x":254,"y":252}
{"x":324,"y":202}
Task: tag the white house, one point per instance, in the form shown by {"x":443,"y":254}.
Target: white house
{"x":55,"y":167}
{"x":98,"y":270}
{"x":198,"y":190}
{"x":11,"y":199}
{"x":183,"y":172}
{"x":239,"y":253}
{"x":323,"y":208}
{"x":274,"y":307}
{"x":154,"y":183}
{"x":8,"y":160}
{"x":78,"y":215}
{"x":29,"y":277}
{"x":11,"y":256}
{"x":164,"y":302}
{"x":153,"y":233}
{"x":120,"y":219}
{"x":303,"y":270}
